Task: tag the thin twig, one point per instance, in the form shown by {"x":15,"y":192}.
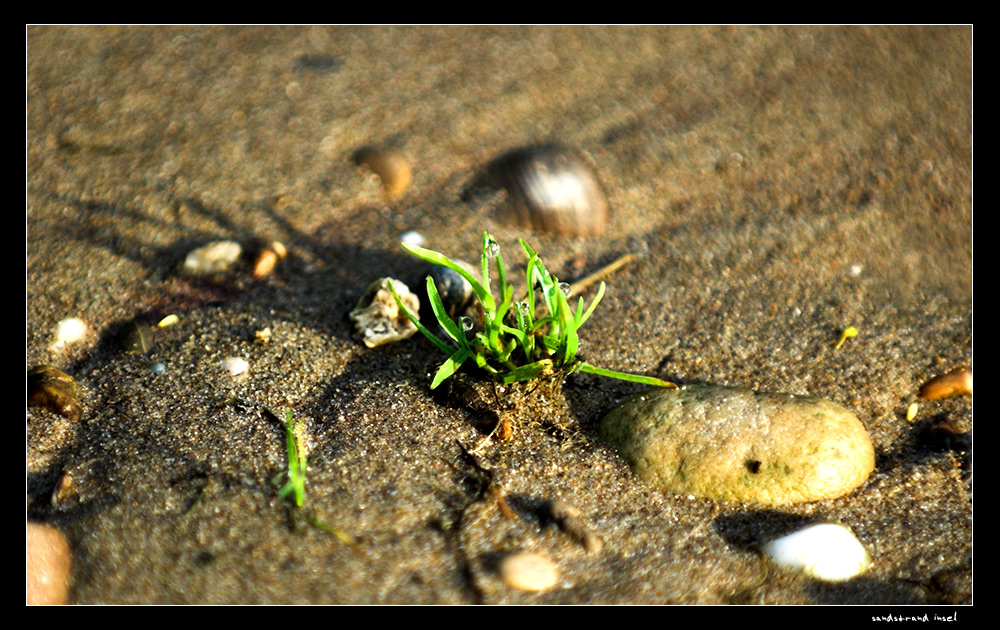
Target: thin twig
{"x":603,"y":272}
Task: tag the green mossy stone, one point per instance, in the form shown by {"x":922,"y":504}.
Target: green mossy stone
{"x":735,"y":444}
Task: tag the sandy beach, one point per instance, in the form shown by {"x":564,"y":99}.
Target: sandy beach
{"x":774,"y":186}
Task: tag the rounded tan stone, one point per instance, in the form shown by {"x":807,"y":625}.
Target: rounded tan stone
{"x":47,"y":566}
{"x":528,"y":571}
{"x":734,"y":444}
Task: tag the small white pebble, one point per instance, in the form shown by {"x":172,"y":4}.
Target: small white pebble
{"x":168,"y":321}
{"x":69,"y":330}
{"x":856,"y":270}
{"x":214,"y":258}
{"x":825,"y":551}
{"x":159,"y":368}
{"x":412,"y":238}
{"x":235,"y":366}
{"x":528,"y":572}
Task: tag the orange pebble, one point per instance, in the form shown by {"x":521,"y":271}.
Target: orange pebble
{"x":268,"y":258}
{"x":47,"y":566}
{"x":954,"y":383}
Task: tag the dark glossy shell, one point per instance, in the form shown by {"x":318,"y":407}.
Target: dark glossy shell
{"x":550,"y":188}
{"x":455,"y":291}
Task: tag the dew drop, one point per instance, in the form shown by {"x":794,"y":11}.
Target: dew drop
{"x":466,"y":322}
{"x":523,"y":307}
{"x":565,"y":288}
{"x":491,"y":248}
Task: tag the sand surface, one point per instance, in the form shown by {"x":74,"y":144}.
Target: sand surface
{"x":775,"y":184}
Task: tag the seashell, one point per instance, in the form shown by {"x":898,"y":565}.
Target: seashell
{"x":51,"y":388}
{"x":825,"y":551}
{"x":379,"y":318}
{"x":455,"y":291}
{"x":137,"y":338}
{"x":954,"y":383}
{"x":552,"y":189}
{"x":392,"y":168}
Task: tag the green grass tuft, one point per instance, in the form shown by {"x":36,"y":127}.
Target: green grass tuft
{"x":536,"y":337}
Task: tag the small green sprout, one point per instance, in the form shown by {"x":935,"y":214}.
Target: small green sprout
{"x":520,"y":341}
{"x":296,"y":485}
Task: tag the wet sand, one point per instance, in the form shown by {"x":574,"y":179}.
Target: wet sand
{"x":776,"y":186}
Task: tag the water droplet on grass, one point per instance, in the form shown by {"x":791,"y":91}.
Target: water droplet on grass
{"x":491,"y":248}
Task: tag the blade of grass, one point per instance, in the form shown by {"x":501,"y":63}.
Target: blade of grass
{"x":482,"y":292}
{"x":450,"y":366}
{"x":441,"y":314}
{"x":416,"y":322}
{"x":635,"y":378}
{"x":296,"y":485}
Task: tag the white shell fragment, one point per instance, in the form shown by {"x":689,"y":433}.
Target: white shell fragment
{"x":235,"y":365}
{"x":825,"y":551}
{"x":377,"y":316}
{"x":69,"y":330}
{"x":528,"y":572}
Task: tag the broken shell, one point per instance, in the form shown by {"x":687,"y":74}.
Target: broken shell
{"x":51,"y":388}
{"x":550,"y":188}
{"x":379,"y":318}
{"x":392,"y":168}
{"x":235,"y":365}
{"x":826,"y":551}
{"x":954,"y":383}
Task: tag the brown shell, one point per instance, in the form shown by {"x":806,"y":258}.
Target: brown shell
{"x":51,"y":388}
{"x":550,"y":188}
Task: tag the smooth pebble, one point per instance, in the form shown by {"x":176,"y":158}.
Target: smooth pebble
{"x":216,"y":257}
{"x":69,"y":330}
{"x":734,"y":444}
{"x":528,"y":571}
{"x":826,"y":551}
{"x":48,"y":566}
